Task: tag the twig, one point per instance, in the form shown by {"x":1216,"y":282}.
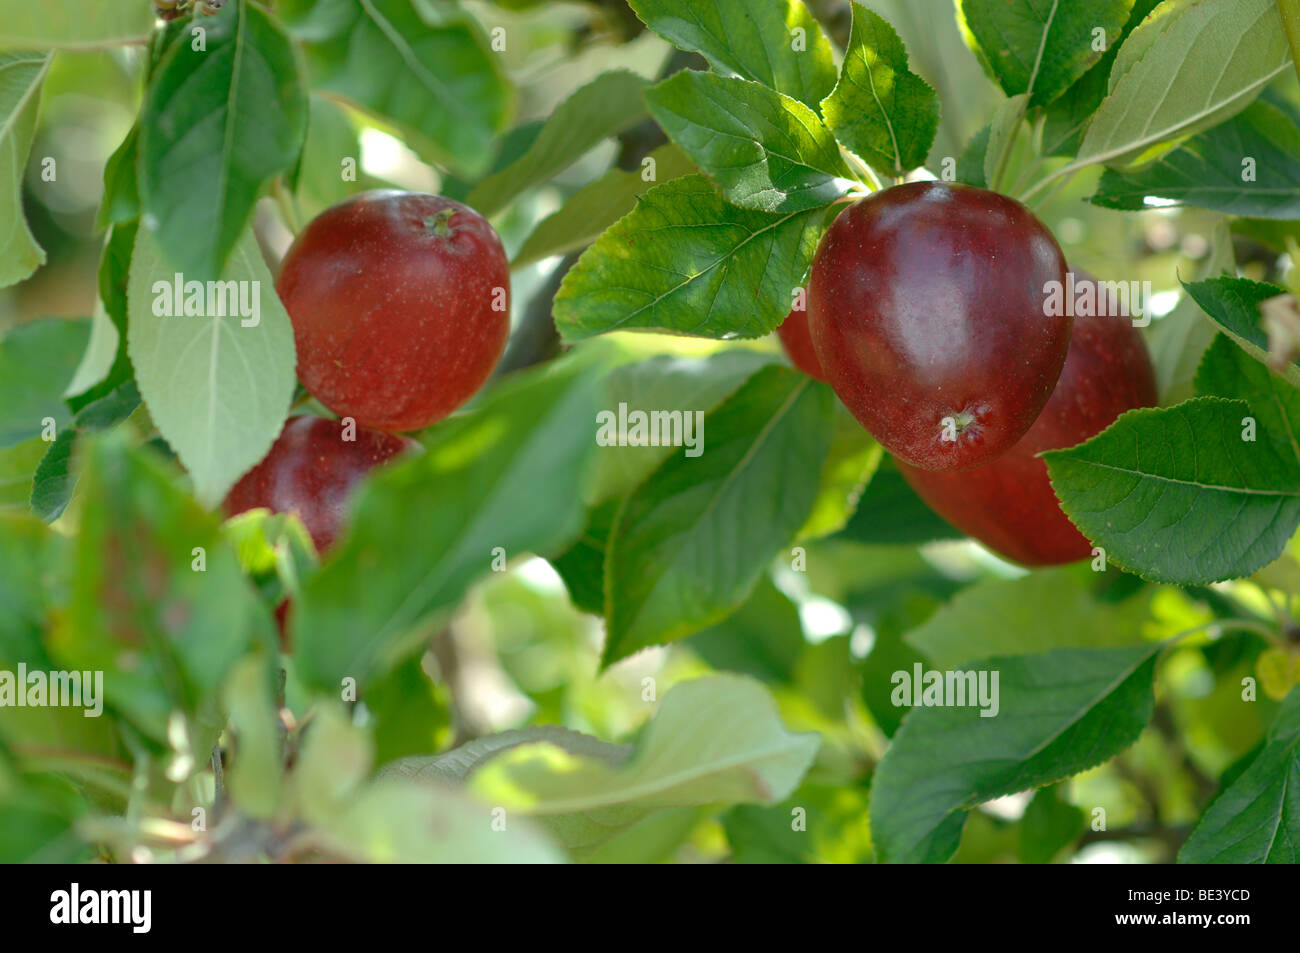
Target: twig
{"x":286,"y":204}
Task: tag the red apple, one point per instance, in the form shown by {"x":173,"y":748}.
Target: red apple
{"x":798,"y":344}
{"x":928,"y":306}
{"x":1009,"y":504}
{"x":311,"y":470}
{"x":400,"y":307}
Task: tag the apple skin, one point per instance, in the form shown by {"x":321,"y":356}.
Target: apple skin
{"x":927,"y":303}
{"x":797,"y":341}
{"x":391,"y":296}
{"x":311,"y":470}
{"x":1009,"y":504}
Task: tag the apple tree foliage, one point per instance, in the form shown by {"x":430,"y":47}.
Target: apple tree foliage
{"x":688,"y":656}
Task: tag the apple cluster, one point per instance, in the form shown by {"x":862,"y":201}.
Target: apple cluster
{"x":925,"y":313}
{"x":400,"y":310}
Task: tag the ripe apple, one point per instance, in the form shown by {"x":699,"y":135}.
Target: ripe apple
{"x":798,"y":344}
{"x":928,"y":311}
{"x":400,"y":305}
{"x":1009,"y":504}
{"x":311,"y":470}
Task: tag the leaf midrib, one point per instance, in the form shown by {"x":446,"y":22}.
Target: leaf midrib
{"x":1247,"y":491}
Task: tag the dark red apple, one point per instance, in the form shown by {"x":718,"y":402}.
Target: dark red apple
{"x":798,"y":344}
{"x":1009,"y":504}
{"x":311,"y":470}
{"x":928,"y":307}
{"x":400,"y":305}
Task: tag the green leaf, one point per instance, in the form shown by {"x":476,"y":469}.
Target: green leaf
{"x":17,"y":465}
{"x":217,"y":386}
{"x":74,"y":24}
{"x":1177,"y":495}
{"x":54,"y":480}
{"x":762,"y":639}
{"x":423,"y":530}
{"x":21,"y":75}
{"x":1270,"y":233}
{"x":608,"y":105}
{"x":163,"y":626}
{"x":31,"y":570}
{"x":272,"y":544}
{"x":889,"y":511}
{"x":684,"y":260}
{"x":766,"y":151}
{"x":1256,"y":819}
{"x":777,"y":43}
{"x":331,"y":138}
{"x":1207,"y":171}
{"x":37,"y":818}
{"x":411,"y":712}
{"x":217,"y":125}
{"x":1278,"y":671}
{"x":32,"y":561}
{"x":1228,"y":371}
{"x":1179,"y":339}
{"x":121,"y":201}
{"x":690,"y":543}
{"x":1059,"y":713}
{"x":255,"y":748}
{"x":596,"y":206}
{"x":970,"y":164}
{"x":819,"y":823}
{"x":582,"y":565}
{"x":853,"y":458}
{"x":1048,"y":826}
{"x":101,"y":353}
{"x":655,"y":839}
{"x":1206,"y":60}
{"x":1002,"y":130}
{"x":1065,"y":120}
{"x":512,"y":144}
{"x":1233,"y":305}
{"x":37,"y":361}
{"x":24,"y":545}
{"x":395,"y":819}
{"x":1005,"y":617}
{"x":394,"y":822}
{"x":432,"y":75}
{"x":114,"y":277}
{"x":664,"y":383}
{"x":1040,"y":47}
{"x":714,"y":740}
{"x":889,"y":653}
{"x":879,"y":109}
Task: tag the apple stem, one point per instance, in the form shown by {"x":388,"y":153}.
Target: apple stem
{"x":865,"y":174}
{"x":1009,"y":144}
{"x":1062,"y":183}
{"x":1066,"y":170}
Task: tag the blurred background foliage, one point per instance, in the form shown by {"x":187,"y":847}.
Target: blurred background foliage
{"x":519,"y":652}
